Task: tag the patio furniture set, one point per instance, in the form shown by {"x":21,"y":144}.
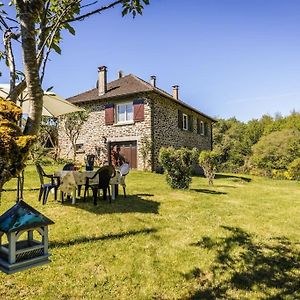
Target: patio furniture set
{"x":70,"y":182}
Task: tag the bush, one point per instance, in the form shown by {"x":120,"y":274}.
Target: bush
{"x":276,"y":150}
{"x":294,"y":169}
{"x":178,"y":166}
{"x":208,"y":160}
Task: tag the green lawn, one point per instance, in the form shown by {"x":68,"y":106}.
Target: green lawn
{"x":236,"y":240}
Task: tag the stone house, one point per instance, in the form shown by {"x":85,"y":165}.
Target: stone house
{"x":128,"y":111}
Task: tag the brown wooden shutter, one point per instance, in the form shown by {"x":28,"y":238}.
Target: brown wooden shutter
{"x":198,"y":126}
{"x":205,"y":128}
{"x":180,"y":119}
{"x":109,"y":114}
{"x":138,"y":110}
{"x":190,"y":121}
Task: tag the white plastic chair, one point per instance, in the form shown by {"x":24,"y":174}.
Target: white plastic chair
{"x":124,"y":170}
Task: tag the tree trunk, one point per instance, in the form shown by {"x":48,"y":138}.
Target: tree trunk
{"x":31,"y":69}
{"x":74,"y":151}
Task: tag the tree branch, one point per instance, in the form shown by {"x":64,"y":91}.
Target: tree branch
{"x":99,"y":10}
{"x":10,"y":59}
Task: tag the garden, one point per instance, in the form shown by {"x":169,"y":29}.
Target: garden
{"x":237,"y":239}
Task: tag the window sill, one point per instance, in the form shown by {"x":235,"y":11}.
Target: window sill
{"x":124,"y":123}
{"x":80,"y":151}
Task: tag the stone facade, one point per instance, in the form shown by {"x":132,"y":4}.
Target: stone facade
{"x":166,"y":132}
{"x":96,"y":136}
{"x":160,"y":125}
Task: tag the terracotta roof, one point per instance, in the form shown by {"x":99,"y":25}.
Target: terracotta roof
{"x":127,"y":85}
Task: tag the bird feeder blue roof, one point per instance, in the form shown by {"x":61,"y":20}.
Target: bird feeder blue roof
{"x":21,"y":217}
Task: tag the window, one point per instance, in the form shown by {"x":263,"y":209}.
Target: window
{"x":201,"y":128}
{"x":79,"y":148}
{"x":185,"y":122}
{"x":124,"y":112}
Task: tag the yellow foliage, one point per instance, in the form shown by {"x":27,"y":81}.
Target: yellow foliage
{"x":9,"y":111}
{"x":14,"y":146}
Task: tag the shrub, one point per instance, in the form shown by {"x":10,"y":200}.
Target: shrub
{"x":276,"y":150}
{"x":178,"y":165}
{"x":208,"y":160}
{"x":294,"y":170}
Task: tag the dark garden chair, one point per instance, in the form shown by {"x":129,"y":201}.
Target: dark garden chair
{"x":100,"y":181}
{"x":45,"y":188}
{"x":69,"y":167}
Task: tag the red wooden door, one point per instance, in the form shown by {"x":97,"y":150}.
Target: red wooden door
{"x":129,"y":151}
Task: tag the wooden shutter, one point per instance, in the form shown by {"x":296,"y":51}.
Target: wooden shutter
{"x":190,"y":121}
{"x":109,"y":114}
{"x":205,"y":128}
{"x":138,"y":110}
{"x":198,"y":126}
{"x":180,"y":119}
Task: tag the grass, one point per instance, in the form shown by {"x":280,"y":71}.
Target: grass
{"x":236,"y":240}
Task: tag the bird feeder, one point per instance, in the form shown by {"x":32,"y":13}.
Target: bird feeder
{"x":24,"y":248}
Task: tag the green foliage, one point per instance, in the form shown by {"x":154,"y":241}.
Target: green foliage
{"x":276,"y":150}
{"x":145,"y":149}
{"x":48,"y":134}
{"x":73,"y":123}
{"x":294,"y":170}
{"x":236,"y":141}
{"x":178,"y":166}
{"x":229,"y":142}
{"x":208,"y":160}
{"x":14,"y":147}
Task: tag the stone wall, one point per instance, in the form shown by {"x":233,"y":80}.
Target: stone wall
{"x":95,"y":135}
{"x":166,"y":131}
{"x":160,"y":125}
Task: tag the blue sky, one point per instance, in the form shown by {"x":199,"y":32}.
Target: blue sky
{"x":230,"y":57}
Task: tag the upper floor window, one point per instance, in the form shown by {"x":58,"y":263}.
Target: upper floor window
{"x":185,"y":122}
{"x":124,"y":112}
{"x":202,"y":129}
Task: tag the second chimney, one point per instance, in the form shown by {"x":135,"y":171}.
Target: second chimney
{"x":153,"y":80}
{"x":175,"y":91}
{"x":102,"y":81}
{"x":120,"y":74}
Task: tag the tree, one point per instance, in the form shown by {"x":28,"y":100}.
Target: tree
{"x":145,"y":149}
{"x":178,"y":166}
{"x":294,"y":169}
{"x":48,"y":134}
{"x":14,"y":146}
{"x":73,"y":123}
{"x":36,"y":27}
{"x":276,"y":150}
{"x":208,"y":160}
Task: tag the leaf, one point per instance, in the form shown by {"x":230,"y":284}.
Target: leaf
{"x":70,"y":29}
{"x":49,"y":89}
{"x":56,"y":48}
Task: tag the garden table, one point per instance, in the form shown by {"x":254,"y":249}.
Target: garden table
{"x":70,"y":180}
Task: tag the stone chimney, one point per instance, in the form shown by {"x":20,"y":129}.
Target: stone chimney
{"x":102,"y":81}
{"x":120,"y":74}
{"x":175,"y":91}
{"x":153,"y":80}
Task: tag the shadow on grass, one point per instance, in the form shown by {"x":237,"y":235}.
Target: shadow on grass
{"x":206,"y":191}
{"x":237,"y":178}
{"x":242,"y":265}
{"x":130,"y":204}
{"x":83,"y":240}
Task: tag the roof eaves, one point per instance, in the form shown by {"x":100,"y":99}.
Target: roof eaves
{"x":110,"y":97}
{"x":163,"y":93}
